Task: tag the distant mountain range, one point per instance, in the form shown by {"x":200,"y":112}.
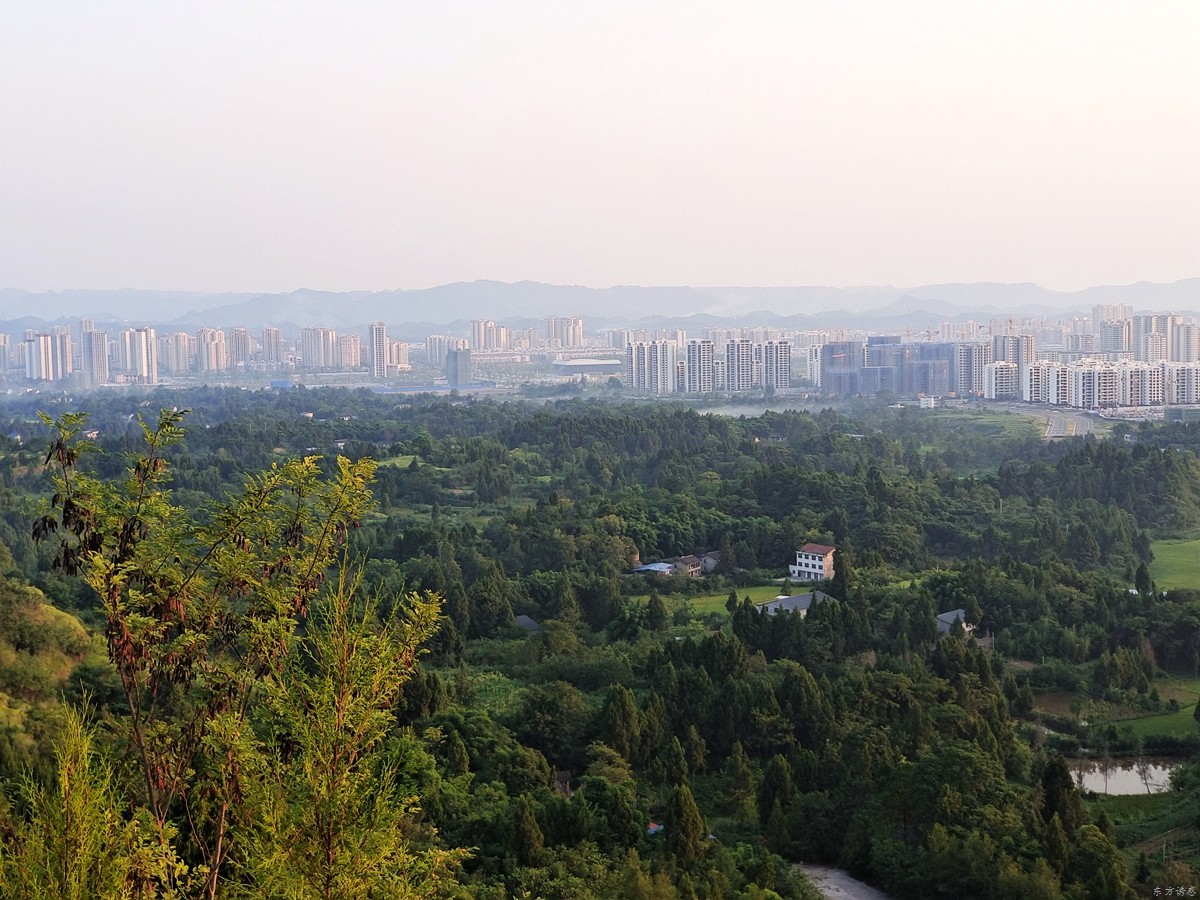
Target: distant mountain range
{"x":451,"y":307}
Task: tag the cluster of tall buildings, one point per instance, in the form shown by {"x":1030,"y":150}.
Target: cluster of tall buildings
{"x":141,"y":356}
{"x":62,"y":354}
{"x":889,"y":364}
{"x":557,"y":333}
{"x":1092,"y":384}
{"x":1111,"y":358}
{"x":700,"y":366}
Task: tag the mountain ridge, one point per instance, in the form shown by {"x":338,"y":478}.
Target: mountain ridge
{"x":620,"y":305}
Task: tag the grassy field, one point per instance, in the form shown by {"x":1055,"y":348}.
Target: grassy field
{"x":1177,"y":562}
{"x":402,"y":462}
{"x":707,"y":603}
{"x":989,"y":423}
{"x":1145,"y":822}
{"x":1180,"y":722}
{"x":1185,"y":690}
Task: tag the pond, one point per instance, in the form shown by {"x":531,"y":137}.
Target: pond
{"x":1148,"y":775}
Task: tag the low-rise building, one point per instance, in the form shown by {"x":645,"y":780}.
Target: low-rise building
{"x":691,"y":566}
{"x":814,"y":562}
{"x":798,"y":605}
{"x":947,"y":620}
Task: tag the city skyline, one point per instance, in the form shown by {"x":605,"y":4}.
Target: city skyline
{"x":1114,"y":357}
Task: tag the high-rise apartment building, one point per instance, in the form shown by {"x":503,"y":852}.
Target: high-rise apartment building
{"x":959,"y":331}
{"x":697,"y":369}
{"x":969,"y":362}
{"x":1114,"y":335}
{"x":1044,"y":382}
{"x":211,"y":353}
{"x":1181,"y":383}
{"x":1151,"y":347}
{"x":177,"y":352}
{"x":379,"y":350}
{"x":1110,"y":312}
{"x":739,"y":365}
{"x":1092,"y":386}
{"x":812,"y":363}
{"x":482,"y":331}
{"x":1140,"y":384}
{"x":1184,"y":343}
{"x":1001,"y":381}
{"x":650,"y":367}
{"x":347,"y":353}
{"x":564,"y":332}
{"x":887,"y":368}
{"x":438,"y":345}
{"x":777,"y":365}
{"x":398,"y":356}
{"x":138,"y":354}
{"x":318,"y":348}
{"x":841,"y":362}
{"x":458,"y":368}
{"x":94,"y":351}
{"x":272,"y":347}
{"x":239,"y":346}
{"x":1019,"y":349}
{"x":1150,"y":338}
{"x":48,"y":355}
{"x":487,"y":335}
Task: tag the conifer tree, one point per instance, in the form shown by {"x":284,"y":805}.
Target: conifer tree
{"x":1056,"y":845}
{"x":696,"y":749}
{"x":777,"y":785}
{"x":528,"y":842}
{"x":459,"y":760}
{"x":1141,"y":580}
{"x":741,"y":780}
{"x":656,"y":613}
{"x":675,"y":768}
{"x":685,"y":828}
{"x":620,"y":721}
{"x":1060,"y":797}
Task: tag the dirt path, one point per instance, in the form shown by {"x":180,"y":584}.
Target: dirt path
{"x":837,"y":885}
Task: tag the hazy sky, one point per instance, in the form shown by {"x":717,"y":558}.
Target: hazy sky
{"x":256,"y":145}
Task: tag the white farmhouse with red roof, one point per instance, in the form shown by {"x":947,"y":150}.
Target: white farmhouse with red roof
{"x":814,"y":562}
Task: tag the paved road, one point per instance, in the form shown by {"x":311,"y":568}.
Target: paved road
{"x":1067,"y":424}
{"x":1059,"y":423}
{"x":837,"y":885}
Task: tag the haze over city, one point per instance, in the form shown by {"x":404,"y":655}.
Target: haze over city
{"x":257,"y":147}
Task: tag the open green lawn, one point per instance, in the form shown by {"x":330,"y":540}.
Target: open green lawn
{"x":1177,"y":562}
{"x":1185,"y":690}
{"x":1180,"y":723}
{"x":989,"y":423}
{"x":707,"y":603}
{"x":402,"y":462}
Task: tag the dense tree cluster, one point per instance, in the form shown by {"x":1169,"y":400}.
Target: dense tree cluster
{"x":632,"y":745}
